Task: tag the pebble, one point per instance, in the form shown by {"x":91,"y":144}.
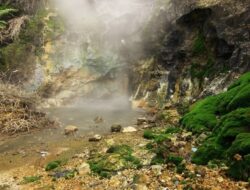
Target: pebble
{"x":84,"y":169}
{"x":70,"y":129}
{"x":116,"y":128}
{"x":141,"y":120}
{"x":95,"y":138}
{"x":129,"y":129}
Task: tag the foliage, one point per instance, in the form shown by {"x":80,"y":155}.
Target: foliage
{"x":5,"y":11}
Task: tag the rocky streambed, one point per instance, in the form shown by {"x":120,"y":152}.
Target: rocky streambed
{"x":124,"y":159}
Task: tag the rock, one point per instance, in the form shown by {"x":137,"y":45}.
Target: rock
{"x":79,"y":156}
{"x":84,"y":169}
{"x":95,"y":138}
{"x":116,"y":128}
{"x":141,"y":120}
{"x":194,"y":149}
{"x":98,"y":119}
{"x":143,"y":179}
{"x":141,"y":187}
{"x":220,"y":179}
{"x":201,"y":172}
{"x":129,"y":129}
{"x":70,"y":129}
{"x":237,"y":157}
{"x":157,"y":169}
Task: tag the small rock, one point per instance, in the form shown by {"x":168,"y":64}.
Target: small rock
{"x":70,"y":129}
{"x":116,"y":128}
{"x":143,"y":179}
{"x":194,"y":149}
{"x":80,"y":156}
{"x":84,"y":169}
{"x":141,"y":120}
{"x":129,"y":129}
{"x":157,"y":169}
{"x":44,"y":153}
{"x":237,"y":157}
{"x":95,"y":138}
{"x":141,"y":187}
{"x":200,"y":172}
{"x":98,"y":119}
{"x":220,"y":179}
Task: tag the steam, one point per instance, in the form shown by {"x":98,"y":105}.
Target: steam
{"x":104,"y":22}
{"x":96,"y":32}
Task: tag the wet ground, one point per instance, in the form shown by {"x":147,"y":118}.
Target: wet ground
{"x":29,"y":148}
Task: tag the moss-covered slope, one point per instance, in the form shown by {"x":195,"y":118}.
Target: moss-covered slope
{"x":227,"y":115}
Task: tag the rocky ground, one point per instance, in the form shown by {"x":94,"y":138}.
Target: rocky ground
{"x":127,"y":162}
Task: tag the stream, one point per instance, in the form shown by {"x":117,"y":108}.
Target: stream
{"x":28,"y":148}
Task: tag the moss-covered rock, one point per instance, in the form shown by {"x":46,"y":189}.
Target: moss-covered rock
{"x":203,"y":115}
{"x":53,"y":165}
{"x":227,"y":115}
{"x":117,"y":158}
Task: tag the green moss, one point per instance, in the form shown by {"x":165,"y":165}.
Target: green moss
{"x":174,"y":159}
{"x":202,"y":116}
{"x":21,"y":53}
{"x":172,"y":130}
{"x":31,"y":179}
{"x":158,"y":137}
{"x":53,"y":165}
{"x":231,"y":125}
{"x":208,"y":151}
{"x":199,"y":45}
{"x":240,"y":169}
{"x":181,"y":168}
{"x":227,"y":115}
{"x":117,"y":158}
{"x":148,"y":134}
{"x":120,"y":149}
{"x":157,"y":160}
{"x":5,"y":12}
{"x":241,"y":145}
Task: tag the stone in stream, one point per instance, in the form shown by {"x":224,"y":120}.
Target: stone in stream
{"x":141,"y":120}
{"x":95,"y":138}
{"x":129,"y":129}
{"x":98,"y":119}
{"x":116,"y":128}
{"x":70,"y":130}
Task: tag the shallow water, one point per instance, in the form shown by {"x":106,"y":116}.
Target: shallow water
{"x":15,"y":150}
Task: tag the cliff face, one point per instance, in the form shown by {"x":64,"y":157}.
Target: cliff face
{"x":196,"y":55}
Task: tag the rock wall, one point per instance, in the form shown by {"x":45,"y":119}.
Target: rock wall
{"x":197,"y":54}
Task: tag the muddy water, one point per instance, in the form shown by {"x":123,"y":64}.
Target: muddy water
{"x":30,"y":148}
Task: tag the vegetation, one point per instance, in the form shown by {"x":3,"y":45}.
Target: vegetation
{"x":31,"y":179}
{"x":53,"y":165}
{"x":5,"y":11}
{"x":199,"y":45}
{"x":227,"y":115}
{"x":117,"y":158}
{"x":160,"y":147}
